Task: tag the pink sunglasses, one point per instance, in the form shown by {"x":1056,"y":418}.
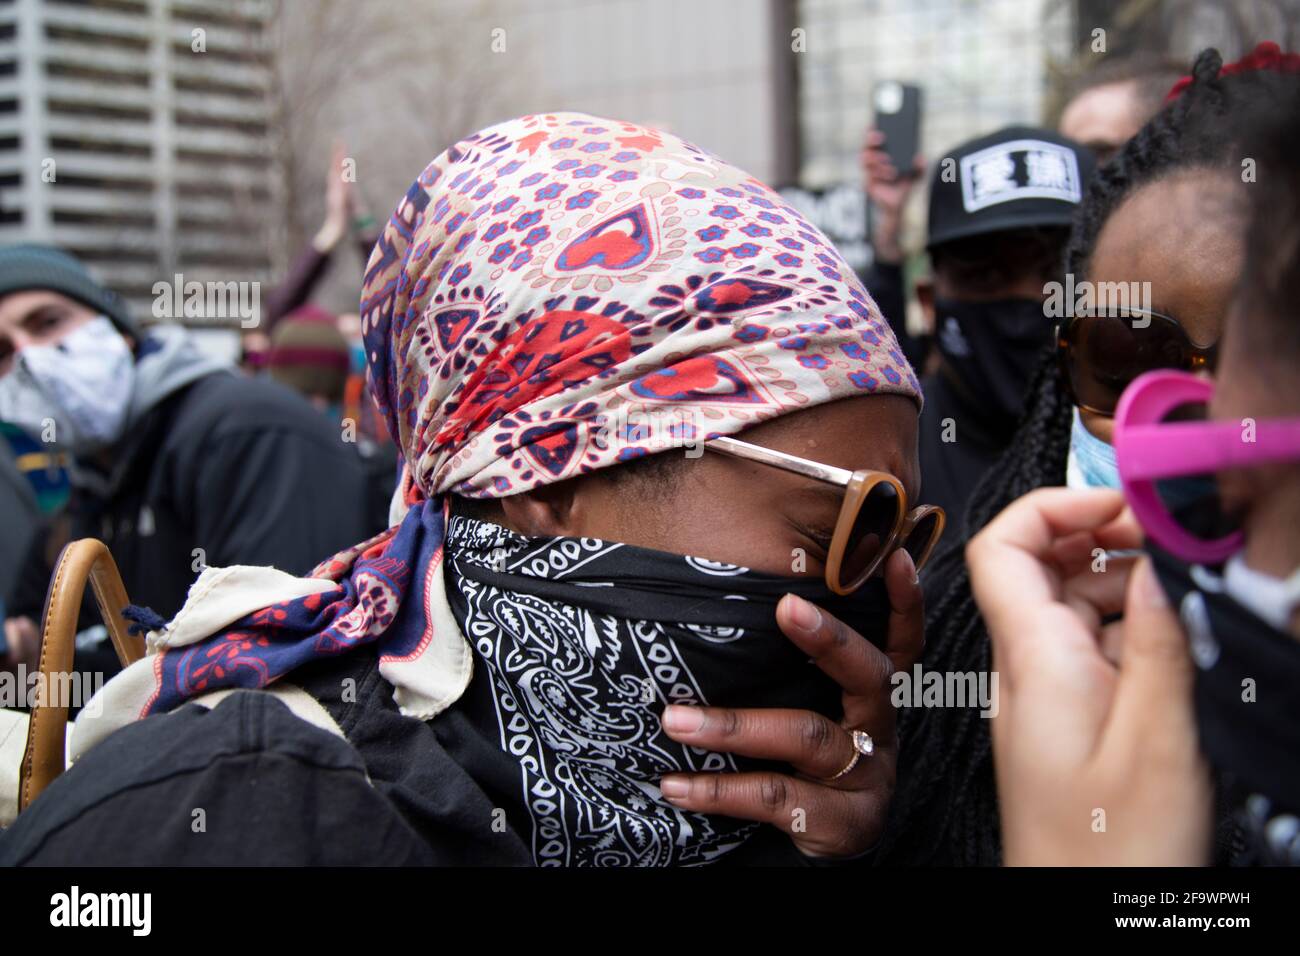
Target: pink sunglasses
{"x":1152,"y":448}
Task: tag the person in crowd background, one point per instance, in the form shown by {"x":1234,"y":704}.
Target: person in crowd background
{"x":342,"y":219}
{"x":44,"y":467}
{"x":544,"y":660}
{"x":1166,"y":210}
{"x":1107,"y":104}
{"x":1210,"y":657}
{"x":34,"y":489}
{"x":310,"y":354}
{"x":20,"y":516}
{"x":1105,"y":107}
{"x":33,"y":486}
{"x":357,"y":402}
{"x":1000,"y":211}
{"x":887,"y":190}
{"x":175,"y":462}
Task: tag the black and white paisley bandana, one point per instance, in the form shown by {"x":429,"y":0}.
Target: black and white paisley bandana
{"x":584,"y":642}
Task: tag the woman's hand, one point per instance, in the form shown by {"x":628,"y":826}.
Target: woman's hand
{"x":1094,"y":739}
{"x":824,"y":817}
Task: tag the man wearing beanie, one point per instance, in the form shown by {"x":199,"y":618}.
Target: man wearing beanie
{"x":177,"y":462}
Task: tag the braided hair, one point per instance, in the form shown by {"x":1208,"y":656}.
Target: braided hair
{"x":945,"y":808}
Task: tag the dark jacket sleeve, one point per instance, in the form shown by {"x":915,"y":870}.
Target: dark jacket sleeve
{"x":26,"y":596}
{"x":304,"y":275}
{"x":19,"y":517}
{"x":884,"y":280}
{"x":265,"y":478}
{"x":281,"y":496}
{"x":245,"y":783}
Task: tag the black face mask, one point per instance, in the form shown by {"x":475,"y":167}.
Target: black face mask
{"x":583,"y":643}
{"x":1247,"y":701}
{"x":992,"y":348}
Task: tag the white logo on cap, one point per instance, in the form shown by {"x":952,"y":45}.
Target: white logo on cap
{"x":1044,"y":171}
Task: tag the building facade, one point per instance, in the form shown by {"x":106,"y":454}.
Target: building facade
{"x":133,"y":133}
{"x":981,"y":66}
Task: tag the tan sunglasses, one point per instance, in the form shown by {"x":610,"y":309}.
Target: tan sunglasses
{"x":874,"y":520}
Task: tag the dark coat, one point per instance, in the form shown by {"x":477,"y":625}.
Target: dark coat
{"x":228,"y":470}
{"x":396,"y":791}
{"x":954,"y":460}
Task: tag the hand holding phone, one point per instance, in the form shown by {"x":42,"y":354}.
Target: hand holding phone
{"x":891,"y":165}
{"x":898,"y":118}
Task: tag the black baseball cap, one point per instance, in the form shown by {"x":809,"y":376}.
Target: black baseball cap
{"x":1016,"y":178}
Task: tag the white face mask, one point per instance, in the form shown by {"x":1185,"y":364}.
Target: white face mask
{"x":74,"y":393}
{"x":1271,"y":599}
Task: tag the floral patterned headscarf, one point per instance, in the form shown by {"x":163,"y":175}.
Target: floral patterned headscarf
{"x":556,"y":295}
{"x":547,"y":277}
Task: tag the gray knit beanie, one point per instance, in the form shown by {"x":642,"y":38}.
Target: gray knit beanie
{"x":26,"y":267}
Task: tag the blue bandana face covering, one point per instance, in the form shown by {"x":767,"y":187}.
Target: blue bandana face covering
{"x":1091,"y":463}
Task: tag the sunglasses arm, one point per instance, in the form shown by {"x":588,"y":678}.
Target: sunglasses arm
{"x":1152,"y":452}
{"x":779,"y":459}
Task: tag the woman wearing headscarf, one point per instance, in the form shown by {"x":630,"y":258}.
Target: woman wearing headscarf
{"x":568,"y":648}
